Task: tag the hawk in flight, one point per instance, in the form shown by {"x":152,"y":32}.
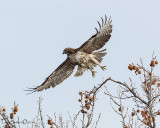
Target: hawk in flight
{"x":86,"y":57}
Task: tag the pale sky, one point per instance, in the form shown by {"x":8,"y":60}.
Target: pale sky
{"x":33,"y":34}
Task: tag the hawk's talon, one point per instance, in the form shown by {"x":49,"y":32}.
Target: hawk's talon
{"x":93,"y":73}
{"x":103,"y":68}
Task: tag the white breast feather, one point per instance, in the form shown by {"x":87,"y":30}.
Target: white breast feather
{"x":79,"y":57}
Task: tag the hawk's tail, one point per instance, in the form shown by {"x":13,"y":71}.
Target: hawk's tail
{"x":99,"y":55}
{"x":80,"y":71}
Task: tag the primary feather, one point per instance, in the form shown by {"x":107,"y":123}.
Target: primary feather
{"x":98,"y":40}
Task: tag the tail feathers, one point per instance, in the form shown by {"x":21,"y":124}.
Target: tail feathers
{"x":99,"y":55}
{"x":80,"y":71}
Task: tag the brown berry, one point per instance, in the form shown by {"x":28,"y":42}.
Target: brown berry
{"x":158,"y":86}
{"x":156,"y":62}
{"x":134,"y":67}
{"x":4,"y":109}
{"x":146,"y":112}
{"x":153,"y":64}
{"x":90,"y":99}
{"x":82,"y":111}
{"x":137,"y":69}
{"x":88,"y":107}
{"x":125,"y":127}
{"x":150,"y":73}
{"x":120,"y":109}
{"x":15,"y":112}
{"x":158,"y":113}
{"x":86,"y":101}
{"x":138,"y":110}
{"x":6,"y":126}
{"x":85,"y":111}
{"x":80,"y":93}
{"x":16,"y":109}
{"x":139,"y":72}
{"x":87,"y":96}
{"x":133,"y":113}
{"x":154,"y":82}
{"x":50,"y":122}
{"x":79,"y":100}
{"x":153,"y":119}
{"x":130,"y":67}
{"x":11,"y":115}
{"x":148,"y":123}
{"x":51,"y":127}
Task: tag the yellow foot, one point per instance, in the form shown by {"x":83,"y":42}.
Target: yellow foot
{"x":103,"y":68}
{"x":93,"y":73}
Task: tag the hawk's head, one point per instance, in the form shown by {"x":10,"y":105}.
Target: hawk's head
{"x":69,"y":51}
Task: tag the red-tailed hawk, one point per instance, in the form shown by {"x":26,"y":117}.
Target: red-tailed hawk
{"x":84,"y":57}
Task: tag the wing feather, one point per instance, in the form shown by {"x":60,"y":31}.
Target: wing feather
{"x":98,"y":40}
{"x":57,"y":77}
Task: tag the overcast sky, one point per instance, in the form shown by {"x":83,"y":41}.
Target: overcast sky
{"x":33,"y":34}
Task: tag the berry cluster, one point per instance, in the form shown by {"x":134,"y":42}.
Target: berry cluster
{"x":3,"y":109}
{"x":89,"y":101}
{"x":14,"y":111}
{"x":133,"y":67}
{"x":145,"y":115}
{"x":146,"y":118}
{"x":153,"y":63}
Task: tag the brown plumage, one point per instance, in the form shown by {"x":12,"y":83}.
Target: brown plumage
{"x":84,"y":57}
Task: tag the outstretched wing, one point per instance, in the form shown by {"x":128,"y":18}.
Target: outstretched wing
{"x":58,"y":76}
{"x":98,"y":40}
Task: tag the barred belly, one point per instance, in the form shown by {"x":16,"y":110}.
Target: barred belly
{"x":80,"y":58}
